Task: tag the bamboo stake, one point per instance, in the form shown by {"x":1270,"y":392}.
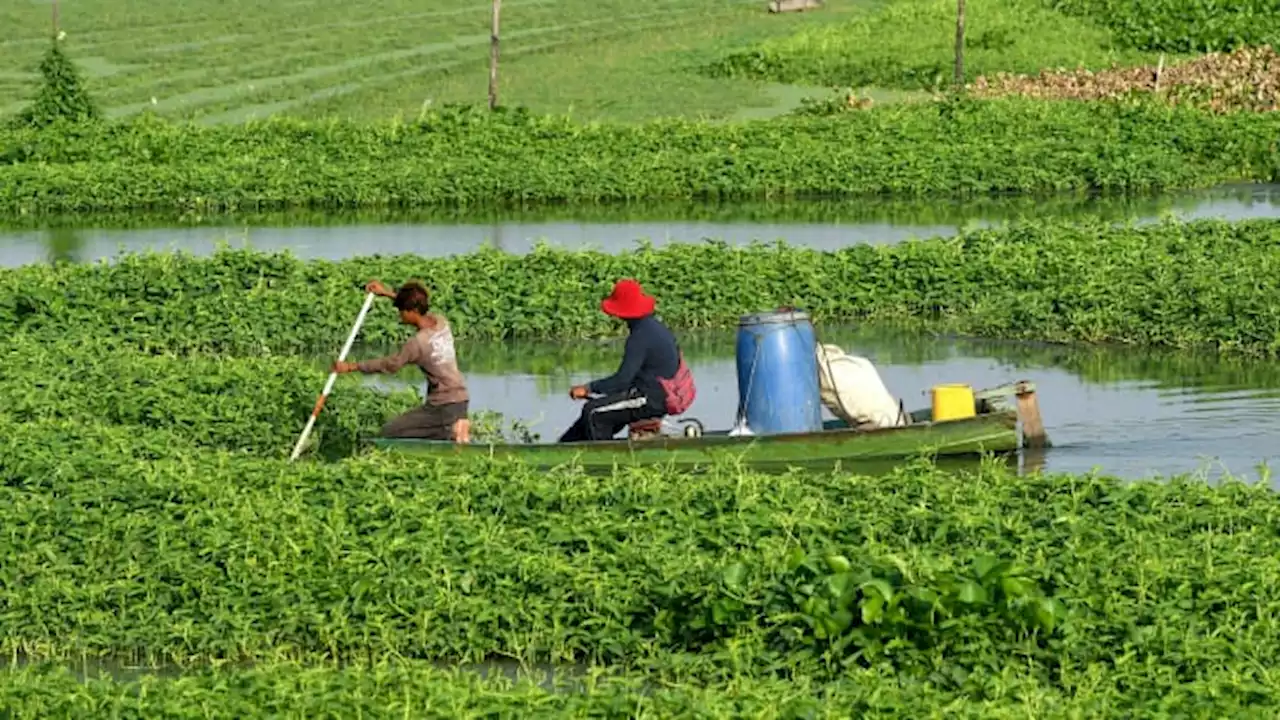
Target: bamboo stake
{"x":959,"y":76}
{"x":493,"y":56}
{"x":333,"y":377}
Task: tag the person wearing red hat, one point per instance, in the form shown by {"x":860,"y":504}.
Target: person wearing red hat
{"x":652,"y":380}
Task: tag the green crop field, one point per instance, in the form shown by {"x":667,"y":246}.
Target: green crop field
{"x":682,"y":111}
{"x":160,"y":556}
{"x":910,"y":44}
{"x":150,"y":519}
{"x":232,"y":61}
{"x":472,"y":157}
{"x":915,"y":591}
{"x":229,"y":61}
{"x":1205,"y":284}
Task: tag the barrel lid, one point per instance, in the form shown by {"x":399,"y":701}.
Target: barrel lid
{"x":780,"y":315}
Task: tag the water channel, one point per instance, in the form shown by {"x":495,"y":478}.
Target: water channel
{"x":1125,"y":412}
{"x":436,"y":233}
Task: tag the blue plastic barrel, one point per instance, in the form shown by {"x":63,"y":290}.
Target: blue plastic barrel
{"x":778,"y":373}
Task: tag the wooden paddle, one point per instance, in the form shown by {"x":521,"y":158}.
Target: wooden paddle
{"x":333,"y":376}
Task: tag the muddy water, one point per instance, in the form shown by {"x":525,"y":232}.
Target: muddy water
{"x":822,"y":225}
{"x":1124,"y":412}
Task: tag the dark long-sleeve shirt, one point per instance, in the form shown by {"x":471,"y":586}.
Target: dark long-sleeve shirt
{"x":651,"y":352}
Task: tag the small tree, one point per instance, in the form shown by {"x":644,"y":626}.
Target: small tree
{"x":62,"y":95}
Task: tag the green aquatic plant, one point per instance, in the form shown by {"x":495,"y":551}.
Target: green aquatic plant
{"x":419,"y":689}
{"x":1181,"y":25}
{"x":150,"y":516}
{"x":251,"y":405}
{"x":468,"y":157}
{"x":384,"y":557}
{"x":870,"y":611}
{"x":1204,"y":284}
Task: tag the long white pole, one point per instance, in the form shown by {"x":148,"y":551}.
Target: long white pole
{"x":333,"y":377}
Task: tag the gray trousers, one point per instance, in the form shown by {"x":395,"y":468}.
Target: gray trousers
{"x":426,"y":422}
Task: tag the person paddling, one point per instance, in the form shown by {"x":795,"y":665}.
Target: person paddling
{"x":443,"y":414}
{"x":652,"y":380}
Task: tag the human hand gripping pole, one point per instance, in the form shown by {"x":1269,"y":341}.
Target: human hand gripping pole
{"x":333,"y":376}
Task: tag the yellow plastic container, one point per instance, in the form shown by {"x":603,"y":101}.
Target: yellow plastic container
{"x":952,"y":402}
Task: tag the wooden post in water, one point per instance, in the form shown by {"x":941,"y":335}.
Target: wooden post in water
{"x":1033,"y":434}
{"x":493,"y":56}
{"x":959,"y":78}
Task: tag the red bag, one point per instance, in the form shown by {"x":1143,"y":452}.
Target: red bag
{"x":680,"y":389}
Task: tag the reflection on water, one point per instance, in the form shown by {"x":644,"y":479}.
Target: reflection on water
{"x":1124,"y":412}
{"x":438,"y":232}
{"x":65,"y":245}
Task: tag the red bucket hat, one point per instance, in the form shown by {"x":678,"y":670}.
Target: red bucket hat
{"x":628,"y":301}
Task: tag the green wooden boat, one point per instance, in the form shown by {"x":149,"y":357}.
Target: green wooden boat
{"x":999,"y":426}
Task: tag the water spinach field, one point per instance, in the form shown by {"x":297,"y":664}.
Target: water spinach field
{"x":163,"y":557}
{"x":153,"y":519}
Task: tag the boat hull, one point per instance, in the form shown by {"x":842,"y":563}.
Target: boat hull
{"x":991,"y":433}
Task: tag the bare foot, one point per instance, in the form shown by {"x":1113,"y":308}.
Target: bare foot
{"x":462,"y":431}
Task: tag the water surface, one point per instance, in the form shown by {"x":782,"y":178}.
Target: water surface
{"x":611,"y":228}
